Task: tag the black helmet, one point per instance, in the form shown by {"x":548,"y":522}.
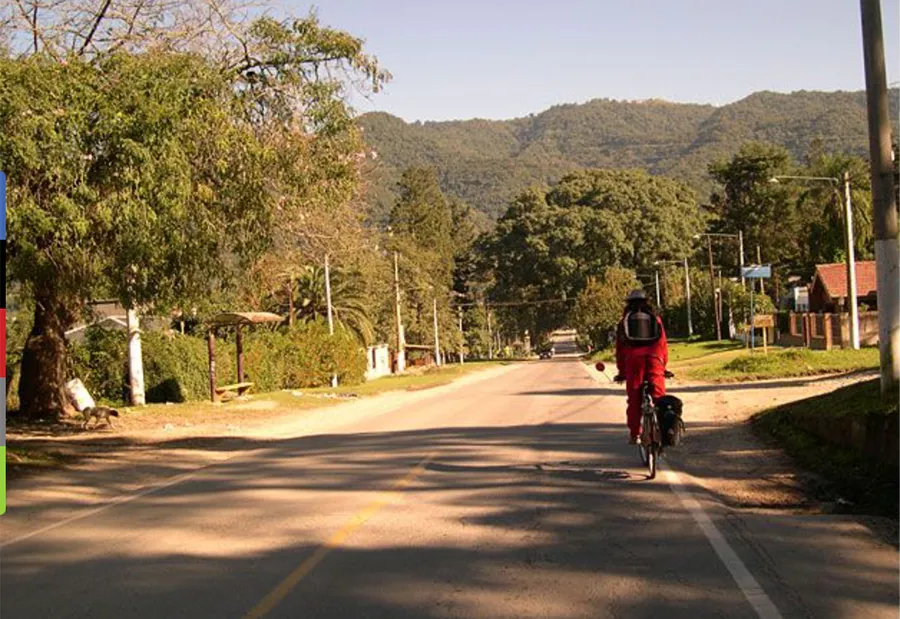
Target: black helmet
{"x":636,"y":295}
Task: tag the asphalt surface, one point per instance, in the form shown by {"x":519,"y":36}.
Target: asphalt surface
{"x":513,"y":496}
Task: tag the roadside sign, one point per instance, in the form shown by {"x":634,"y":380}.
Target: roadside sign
{"x":758,"y":271}
{"x":764,"y":320}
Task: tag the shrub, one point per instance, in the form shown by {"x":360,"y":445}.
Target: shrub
{"x":176,"y":366}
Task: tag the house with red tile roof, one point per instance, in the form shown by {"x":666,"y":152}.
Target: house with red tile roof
{"x":828,"y":291}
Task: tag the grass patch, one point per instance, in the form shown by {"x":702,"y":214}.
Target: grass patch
{"x":786,"y":363}
{"x":869,"y":485}
{"x":679,"y":350}
{"x":683,"y":350}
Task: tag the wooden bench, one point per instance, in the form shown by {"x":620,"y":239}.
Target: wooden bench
{"x":238,"y":388}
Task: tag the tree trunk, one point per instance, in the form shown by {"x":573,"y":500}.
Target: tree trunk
{"x":43,"y":367}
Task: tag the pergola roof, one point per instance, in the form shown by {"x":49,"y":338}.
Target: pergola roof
{"x":243,"y":318}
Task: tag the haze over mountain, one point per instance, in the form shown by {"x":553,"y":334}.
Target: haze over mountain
{"x":486,"y":162}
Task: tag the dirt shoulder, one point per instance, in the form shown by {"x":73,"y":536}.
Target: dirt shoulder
{"x":722,"y":454}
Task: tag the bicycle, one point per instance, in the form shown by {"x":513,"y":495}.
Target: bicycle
{"x":650,"y":445}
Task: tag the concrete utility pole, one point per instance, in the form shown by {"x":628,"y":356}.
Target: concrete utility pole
{"x":658,"y":300}
{"x":741,"y":242}
{"x":135,"y":359}
{"x":437,"y":343}
{"x":884,"y":206}
{"x":462,"y":338}
{"x":490,"y":333}
{"x":401,"y":345}
{"x":687,"y":293}
{"x":334,"y":378}
{"x":851,"y":265}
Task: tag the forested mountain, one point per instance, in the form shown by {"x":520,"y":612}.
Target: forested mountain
{"x":486,"y":162}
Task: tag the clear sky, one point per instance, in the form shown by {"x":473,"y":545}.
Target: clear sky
{"x":456,"y":59}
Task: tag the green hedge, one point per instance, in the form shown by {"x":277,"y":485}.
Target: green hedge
{"x":176,"y":366}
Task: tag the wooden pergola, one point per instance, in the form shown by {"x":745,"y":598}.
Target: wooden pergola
{"x":237,"y":320}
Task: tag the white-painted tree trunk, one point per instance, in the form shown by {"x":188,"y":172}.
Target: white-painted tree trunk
{"x":135,"y":359}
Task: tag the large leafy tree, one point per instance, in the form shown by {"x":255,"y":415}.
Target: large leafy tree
{"x":549,"y":242}
{"x":750,"y":202}
{"x":158,"y":178}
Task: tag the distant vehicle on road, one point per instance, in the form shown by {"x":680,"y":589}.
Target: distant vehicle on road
{"x":546,"y":350}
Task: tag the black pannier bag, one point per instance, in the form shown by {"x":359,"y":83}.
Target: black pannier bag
{"x":641,"y":327}
{"x":668,"y":410}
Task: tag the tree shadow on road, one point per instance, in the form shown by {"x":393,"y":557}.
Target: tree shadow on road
{"x":558,"y":520}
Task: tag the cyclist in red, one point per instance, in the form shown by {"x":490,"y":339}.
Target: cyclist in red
{"x":641,"y":353}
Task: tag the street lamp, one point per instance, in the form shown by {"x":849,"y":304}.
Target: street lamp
{"x":848,"y":244}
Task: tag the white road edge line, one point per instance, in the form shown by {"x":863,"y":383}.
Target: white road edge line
{"x":761,"y":603}
{"x":753,"y":592}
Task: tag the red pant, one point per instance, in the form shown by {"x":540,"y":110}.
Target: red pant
{"x":641,"y":363}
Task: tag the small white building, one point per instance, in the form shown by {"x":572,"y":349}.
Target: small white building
{"x":800,"y":296}
{"x":378,"y":361}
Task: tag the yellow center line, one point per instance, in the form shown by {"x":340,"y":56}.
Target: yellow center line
{"x":293,"y":579}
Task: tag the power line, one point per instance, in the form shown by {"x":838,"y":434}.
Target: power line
{"x":514,"y":303}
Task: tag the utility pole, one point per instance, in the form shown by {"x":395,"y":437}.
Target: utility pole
{"x":135,"y":359}
{"x":712,"y":289}
{"x":334,"y":379}
{"x":490,"y":333}
{"x":401,"y":348}
{"x":462,"y":338}
{"x":687,"y":292}
{"x":851,"y":265}
{"x":762,"y":289}
{"x":741,"y":257}
{"x":437,"y":344}
{"x":658,"y":301}
{"x":290,"y":300}
{"x":884,"y":206}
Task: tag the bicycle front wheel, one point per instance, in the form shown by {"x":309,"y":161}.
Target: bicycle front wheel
{"x":652,"y":457}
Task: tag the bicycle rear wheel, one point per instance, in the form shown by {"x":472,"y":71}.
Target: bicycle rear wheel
{"x":652,"y":457}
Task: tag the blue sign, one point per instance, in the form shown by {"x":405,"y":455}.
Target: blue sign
{"x":757,"y":271}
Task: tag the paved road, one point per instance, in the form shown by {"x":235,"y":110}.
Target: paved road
{"x":516,"y":496}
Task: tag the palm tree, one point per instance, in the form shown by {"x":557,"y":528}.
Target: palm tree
{"x":349,"y":305}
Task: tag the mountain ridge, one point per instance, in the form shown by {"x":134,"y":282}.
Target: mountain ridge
{"x":486,"y":162}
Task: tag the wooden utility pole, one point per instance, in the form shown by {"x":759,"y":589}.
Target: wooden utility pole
{"x":712,"y":284}
{"x":290,"y":300}
{"x":687,"y":293}
{"x":401,"y":346}
{"x":884,"y":206}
